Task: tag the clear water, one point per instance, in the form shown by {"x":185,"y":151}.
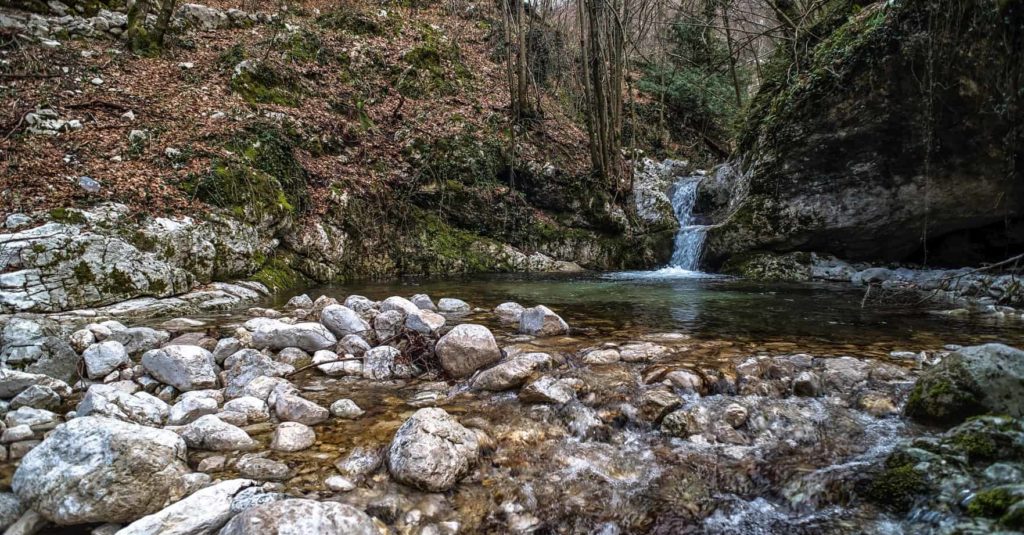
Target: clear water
{"x":591,"y":467}
{"x":629,"y":304}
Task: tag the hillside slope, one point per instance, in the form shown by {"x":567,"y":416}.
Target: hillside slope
{"x":318,"y":143}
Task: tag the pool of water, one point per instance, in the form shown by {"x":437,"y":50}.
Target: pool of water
{"x":617,"y":305}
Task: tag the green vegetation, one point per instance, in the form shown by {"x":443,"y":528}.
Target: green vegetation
{"x":355,"y":22}
{"x":837,"y":46}
{"x":83,"y":274}
{"x":118,"y":282}
{"x":770,"y":266}
{"x":696,"y":86}
{"x":898,"y":486}
{"x":231,"y":57}
{"x":262,"y":83}
{"x":68,"y":216}
{"x":464,"y":158}
{"x":992,"y":503}
{"x":432,"y":68}
{"x":277,"y":274}
{"x":263,"y":177}
{"x":944,"y":399}
{"x":304,"y":46}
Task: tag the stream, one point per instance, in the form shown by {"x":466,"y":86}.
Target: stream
{"x":678,"y":402}
{"x":602,"y":463}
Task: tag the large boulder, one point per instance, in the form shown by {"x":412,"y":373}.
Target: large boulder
{"x":833,"y":163}
{"x":245,"y":366}
{"x":211,"y":433}
{"x":301,"y":517}
{"x":103,"y":358}
{"x":108,"y":254}
{"x":56,"y":359}
{"x":183,"y":367}
{"x":424,"y":321}
{"x":511,"y":373}
{"x":452,"y":306}
{"x":292,"y":436}
{"x":95,"y":469}
{"x":541,"y":321}
{"x":14,"y":382}
{"x":112,"y":402}
{"x":343,"y":321}
{"x":467,"y":348}
{"x":400,"y":304}
{"x":972,"y":381}
{"x":203,"y":512}
{"x":20,"y":339}
{"x":290,"y":407}
{"x":432,"y":451}
{"x":383,"y":363}
{"x":509,"y":312}
{"x":137,"y":340}
{"x":278,"y":335}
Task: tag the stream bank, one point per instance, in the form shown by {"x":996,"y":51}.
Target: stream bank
{"x":603,"y":418}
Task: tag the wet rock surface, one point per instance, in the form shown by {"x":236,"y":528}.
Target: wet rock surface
{"x":95,"y":469}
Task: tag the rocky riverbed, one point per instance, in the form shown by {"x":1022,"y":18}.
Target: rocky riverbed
{"x":410,"y":415}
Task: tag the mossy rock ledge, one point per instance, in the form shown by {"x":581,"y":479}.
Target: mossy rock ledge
{"x":969,"y":476}
{"x":974,"y":380}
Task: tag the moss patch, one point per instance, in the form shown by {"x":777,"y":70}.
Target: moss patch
{"x":432,"y":67}
{"x":944,"y":396}
{"x":991,"y":503}
{"x":263,"y":178}
{"x":83,"y":274}
{"x":770,"y":266}
{"x":261,"y":83}
{"x":68,"y":216}
{"x":356,"y":22}
{"x":277,"y":274}
{"x":897,"y":487}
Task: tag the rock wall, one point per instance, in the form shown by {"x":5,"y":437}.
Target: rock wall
{"x":904,"y":123}
{"x":114,"y":257}
{"x":86,"y":258}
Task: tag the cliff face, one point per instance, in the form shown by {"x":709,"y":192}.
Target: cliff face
{"x":903,"y":124}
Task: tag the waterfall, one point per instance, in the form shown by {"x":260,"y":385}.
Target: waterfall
{"x":690,"y":238}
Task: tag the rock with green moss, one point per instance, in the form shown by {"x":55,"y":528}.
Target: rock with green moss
{"x":935,"y":474}
{"x":771,"y":266}
{"x":898,"y":486}
{"x":104,"y":255}
{"x":974,"y":380}
{"x":259,"y":82}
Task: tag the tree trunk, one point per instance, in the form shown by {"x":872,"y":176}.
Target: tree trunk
{"x":602,"y":44}
{"x":524,"y":102}
{"x":136,"y":33}
{"x":732,"y":55}
{"x":163,"y":21}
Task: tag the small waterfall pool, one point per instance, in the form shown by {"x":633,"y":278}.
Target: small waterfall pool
{"x":689,"y":242}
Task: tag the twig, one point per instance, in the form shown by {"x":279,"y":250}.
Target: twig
{"x":318,"y":364}
{"x":98,"y":104}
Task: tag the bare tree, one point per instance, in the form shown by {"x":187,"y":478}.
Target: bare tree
{"x":516,"y":29}
{"x":144,"y":40}
{"x":602,"y":47}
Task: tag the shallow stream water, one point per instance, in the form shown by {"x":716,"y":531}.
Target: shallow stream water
{"x":597,"y":465}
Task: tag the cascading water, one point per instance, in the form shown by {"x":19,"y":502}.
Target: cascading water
{"x":690,"y":238}
{"x":689,"y":242}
